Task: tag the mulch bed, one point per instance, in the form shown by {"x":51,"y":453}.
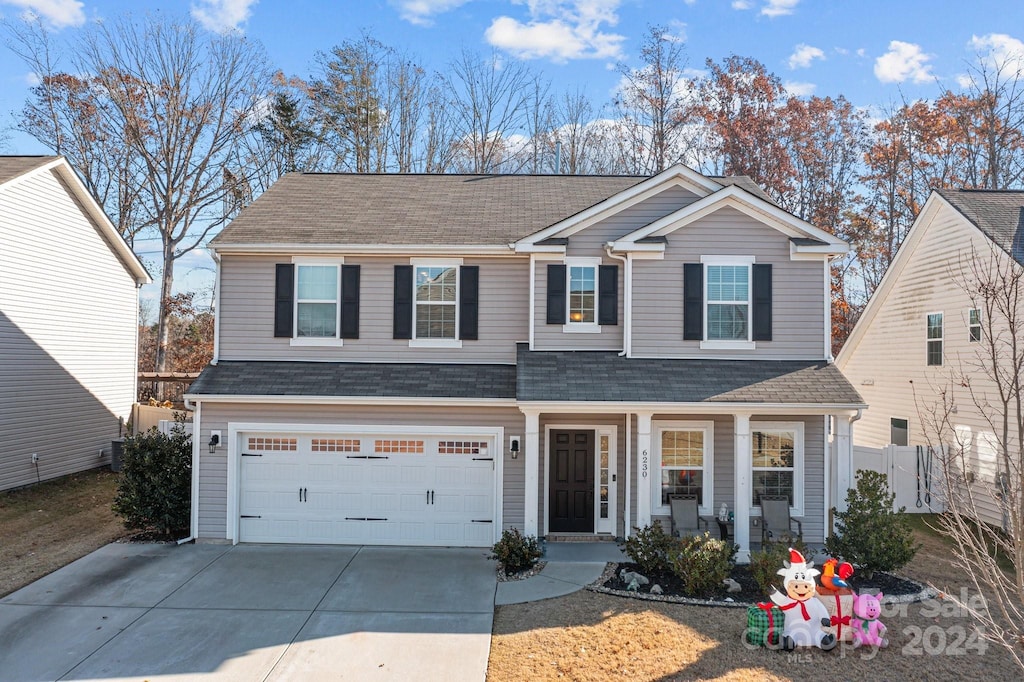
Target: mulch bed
{"x":892,"y":586}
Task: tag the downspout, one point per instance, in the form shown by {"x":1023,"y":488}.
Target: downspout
{"x":216,"y":309}
{"x":627,"y":307}
{"x":196,"y":440}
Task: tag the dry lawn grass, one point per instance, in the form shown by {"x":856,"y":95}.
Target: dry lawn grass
{"x":49,"y":525}
{"x":590,"y":636}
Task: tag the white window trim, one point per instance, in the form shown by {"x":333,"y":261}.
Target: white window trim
{"x":941,"y":339}
{"x":971,"y":326}
{"x":797,"y":509}
{"x":706,"y":509}
{"x":723,"y":344}
{"x":322,"y":341}
{"x":436,"y":263}
{"x":571,"y":327}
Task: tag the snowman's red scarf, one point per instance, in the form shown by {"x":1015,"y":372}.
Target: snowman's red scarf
{"x":803,"y":607}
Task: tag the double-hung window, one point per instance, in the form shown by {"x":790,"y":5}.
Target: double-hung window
{"x":777,"y":459}
{"x":685,"y":462}
{"x":436,"y":302}
{"x":582,"y":292}
{"x":317,"y":299}
{"x":727,"y":301}
{"x":934,"y":339}
{"x":974,"y":324}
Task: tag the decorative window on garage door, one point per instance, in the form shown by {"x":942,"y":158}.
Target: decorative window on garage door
{"x":271,"y":444}
{"x":335,"y":445}
{"x":398,"y":447}
{"x":461,"y":447}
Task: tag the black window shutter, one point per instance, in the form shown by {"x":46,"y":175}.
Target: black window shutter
{"x":469,"y":301}
{"x":762,"y":313}
{"x":608,"y":295}
{"x":556,"y":294}
{"x":693,"y":301}
{"x":350,"y":301}
{"x":284,"y":287}
{"x":403,"y":302}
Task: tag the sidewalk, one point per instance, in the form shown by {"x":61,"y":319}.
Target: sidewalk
{"x":570,"y":567}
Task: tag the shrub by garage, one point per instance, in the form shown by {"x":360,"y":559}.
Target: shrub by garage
{"x":155,"y":492}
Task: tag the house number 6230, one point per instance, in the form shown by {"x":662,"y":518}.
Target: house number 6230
{"x":643,"y":464}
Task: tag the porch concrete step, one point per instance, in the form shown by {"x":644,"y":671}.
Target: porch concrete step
{"x":578,"y":537}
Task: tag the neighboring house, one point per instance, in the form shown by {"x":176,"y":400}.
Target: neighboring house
{"x":68,"y":323}
{"x":921,"y":328}
{"x":428,"y":359}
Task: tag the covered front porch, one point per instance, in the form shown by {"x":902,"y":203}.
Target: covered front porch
{"x":603,"y":467}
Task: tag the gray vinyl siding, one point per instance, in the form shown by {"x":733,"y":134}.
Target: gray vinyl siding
{"x":213,"y":474}
{"x":798,"y":291}
{"x":813,"y":518}
{"x":590,"y":243}
{"x":247,"y":314}
{"x":888,"y":366}
{"x":68,"y":320}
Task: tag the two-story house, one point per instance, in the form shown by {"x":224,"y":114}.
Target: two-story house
{"x":428,"y":359}
{"x":923,"y":337}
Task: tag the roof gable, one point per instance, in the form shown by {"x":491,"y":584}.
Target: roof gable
{"x":676,"y":176}
{"x":932,"y":208}
{"x":15,"y":169}
{"x":804,"y":236}
{"x":998,"y":214}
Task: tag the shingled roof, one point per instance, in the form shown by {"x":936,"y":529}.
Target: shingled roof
{"x":399,"y":209}
{"x":570,"y":376}
{"x":355,"y":380}
{"x":13,"y":166}
{"x":999,"y":214}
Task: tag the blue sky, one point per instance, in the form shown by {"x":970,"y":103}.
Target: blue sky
{"x":875,"y":52}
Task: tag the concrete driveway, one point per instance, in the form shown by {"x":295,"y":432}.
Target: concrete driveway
{"x":253,"y":612}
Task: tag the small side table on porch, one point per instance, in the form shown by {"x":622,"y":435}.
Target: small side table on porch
{"x":725,"y":528}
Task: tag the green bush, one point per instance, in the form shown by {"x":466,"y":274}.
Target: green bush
{"x":648,"y":547}
{"x":870,"y":535}
{"x":155,"y":491}
{"x":516,"y":552}
{"x":765,"y":563}
{"x":701,"y":563}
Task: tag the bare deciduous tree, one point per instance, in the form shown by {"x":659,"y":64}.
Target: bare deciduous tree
{"x":990,"y":385}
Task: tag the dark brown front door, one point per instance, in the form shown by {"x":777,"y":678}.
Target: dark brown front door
{"x":572,"y":482}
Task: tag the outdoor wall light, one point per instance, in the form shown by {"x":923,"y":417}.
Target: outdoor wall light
{"x":513,"y":446}
{"x":214,"y":442}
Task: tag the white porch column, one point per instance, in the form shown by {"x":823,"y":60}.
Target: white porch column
{"x":741,"y":485}
{"x":531,"y":457}
{"x":843,"y":460}
{"x":644,"y":469}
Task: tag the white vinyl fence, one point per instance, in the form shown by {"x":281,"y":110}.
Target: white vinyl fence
{"x":913,"y":474}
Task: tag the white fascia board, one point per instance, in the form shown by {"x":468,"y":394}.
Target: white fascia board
{"x":351,"y":400}
{"x":571,"y":407}
{"x":367,"y":249}
{"x":633,"y":247}
{"x":679,"y":175}
{"x":107,"y":229}
{"x":823,"y":252}
{"x":537,"y":248}
{"x":928,"y":212}
{"x":743,"y":201}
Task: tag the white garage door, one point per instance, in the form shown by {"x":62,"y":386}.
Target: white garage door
{"x":367,"y":488}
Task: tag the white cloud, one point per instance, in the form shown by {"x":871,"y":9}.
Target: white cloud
{"x":741,"y":4}
{"x":560,"y":30}
{"x":422,"y":12}
{"x":903,"y":61}
{"x":798,"y":89}
{"x":58,"y":13}
{"x":803,"y":55}
{"x":1000,"y":52}
{"x":222,"y":15}
{"x":32,"y":79}
{"x":861,"y":52}
{"x":778,"y":8}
